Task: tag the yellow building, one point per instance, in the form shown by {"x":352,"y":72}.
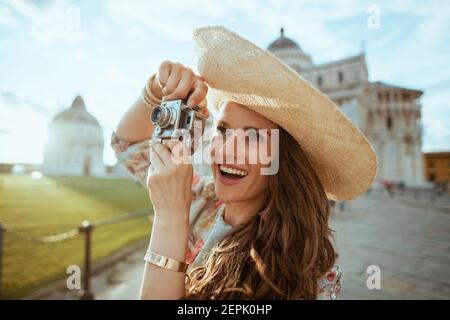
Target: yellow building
{"x":437,"y":167}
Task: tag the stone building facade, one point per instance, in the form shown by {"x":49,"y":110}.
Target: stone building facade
{"x":388,"y":115}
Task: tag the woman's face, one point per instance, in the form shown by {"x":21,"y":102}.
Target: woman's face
{"x":237,"y":173}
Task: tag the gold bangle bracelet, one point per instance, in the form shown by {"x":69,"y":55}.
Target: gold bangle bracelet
{"x":165,"y":262}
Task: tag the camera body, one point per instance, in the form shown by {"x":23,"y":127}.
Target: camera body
{"x":172,"y":116}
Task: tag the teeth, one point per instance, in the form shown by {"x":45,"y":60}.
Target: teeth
{"x":233,"y":171}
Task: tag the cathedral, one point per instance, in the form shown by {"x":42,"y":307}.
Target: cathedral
{"x":388,"y":115}
{"x":75,"y":143}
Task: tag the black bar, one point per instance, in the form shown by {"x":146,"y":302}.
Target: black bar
{"x":86,"y":228}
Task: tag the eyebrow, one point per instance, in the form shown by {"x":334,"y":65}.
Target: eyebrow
{"x":227,"y":126}
{"x":223,"y":124}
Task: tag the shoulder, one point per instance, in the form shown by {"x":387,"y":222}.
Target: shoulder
{"x":330,"y":285}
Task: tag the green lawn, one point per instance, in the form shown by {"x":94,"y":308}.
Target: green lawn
{"x":49,"y":206}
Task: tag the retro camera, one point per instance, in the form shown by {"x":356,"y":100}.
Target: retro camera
{"x":172,"y":116}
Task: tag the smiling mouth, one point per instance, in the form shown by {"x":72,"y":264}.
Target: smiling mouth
{"x":232,"y":173}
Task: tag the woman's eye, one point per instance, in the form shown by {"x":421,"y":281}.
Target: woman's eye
{"x":252,"y":136}
{"x":224,"y":131}
{"x":221,"y":130}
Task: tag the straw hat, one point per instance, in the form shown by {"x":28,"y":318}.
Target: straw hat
{"x":237,"y":70}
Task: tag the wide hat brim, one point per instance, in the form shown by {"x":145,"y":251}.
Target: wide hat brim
{"x":237,"y":70}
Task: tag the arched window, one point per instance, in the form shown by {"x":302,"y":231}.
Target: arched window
{"x":389,"y":122}
{"x":319,"y":80}
{"x":87,"y":166}
{"x":340,"y":77}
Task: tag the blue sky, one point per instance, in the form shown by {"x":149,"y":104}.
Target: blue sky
{"x":50,"y":51}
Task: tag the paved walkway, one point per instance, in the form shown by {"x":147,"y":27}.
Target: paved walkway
{"x":411,"y":245}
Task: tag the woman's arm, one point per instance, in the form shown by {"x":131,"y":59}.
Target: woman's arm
{"x":173,"y":81}
{"x":169,"y":238}
{"x":169,"y":184}
{"x":134,"y":124}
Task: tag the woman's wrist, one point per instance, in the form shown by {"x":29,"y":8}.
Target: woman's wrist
{"x":148,"y":93}
{"x":169,"y":223}
{"x":155,"y":89}
{"x":170,"y":237}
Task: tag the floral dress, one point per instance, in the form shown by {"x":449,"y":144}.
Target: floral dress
{"x":206,"y":223}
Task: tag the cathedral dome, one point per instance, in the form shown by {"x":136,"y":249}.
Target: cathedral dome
{"x":290,"y":53}
{"x":76,"y":113}
{"x":283,"y":43}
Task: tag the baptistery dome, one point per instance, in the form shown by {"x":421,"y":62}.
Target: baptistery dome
{"x":75,"y":143}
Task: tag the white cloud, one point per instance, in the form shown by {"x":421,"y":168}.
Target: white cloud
{"x":23,"y":129}
{"x":303,"y":20}
{"x":10,"y":100}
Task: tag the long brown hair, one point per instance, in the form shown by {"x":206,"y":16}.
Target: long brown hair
{"x":282,"y":256}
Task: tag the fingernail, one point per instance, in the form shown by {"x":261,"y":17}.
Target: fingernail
{"x":191,"y":104}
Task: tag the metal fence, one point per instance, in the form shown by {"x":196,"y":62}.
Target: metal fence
{"x":85,"y":229}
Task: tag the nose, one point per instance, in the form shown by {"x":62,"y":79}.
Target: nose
{"x":228,"y":150}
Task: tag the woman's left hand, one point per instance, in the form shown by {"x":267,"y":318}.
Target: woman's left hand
{"x":170,"y":181}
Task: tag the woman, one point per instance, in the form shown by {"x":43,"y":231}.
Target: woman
{"x":244,"y":234}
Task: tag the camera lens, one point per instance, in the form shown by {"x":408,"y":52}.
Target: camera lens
{"x":156,"y":115}
{"x":161,"y":116}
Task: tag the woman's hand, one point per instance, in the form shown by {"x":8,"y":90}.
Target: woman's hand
{"x":175,"y":81}
{"x":169,"y":181}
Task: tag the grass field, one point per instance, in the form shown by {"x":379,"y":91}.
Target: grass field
{"x":47,"y":206}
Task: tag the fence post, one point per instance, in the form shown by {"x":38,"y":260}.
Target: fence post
{"x":86,"y":227}
{"x":2,"y":230}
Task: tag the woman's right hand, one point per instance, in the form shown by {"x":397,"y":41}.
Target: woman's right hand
{"x":175,"y":81}
{"x":169,"y":181}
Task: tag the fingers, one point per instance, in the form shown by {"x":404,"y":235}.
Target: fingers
{"x":155,"y":160}
{"x":199,"y":93}
{"x":179,"y":152}
{"x":162,"y":152}
{"x":179,"y":82}
{"x":205,"y":111}
{"x":171,"y":143}
{"x":169,"y":154}
{"x":173,"y":79}
{"x":163,"y":73}
{"x":184,"y":85}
